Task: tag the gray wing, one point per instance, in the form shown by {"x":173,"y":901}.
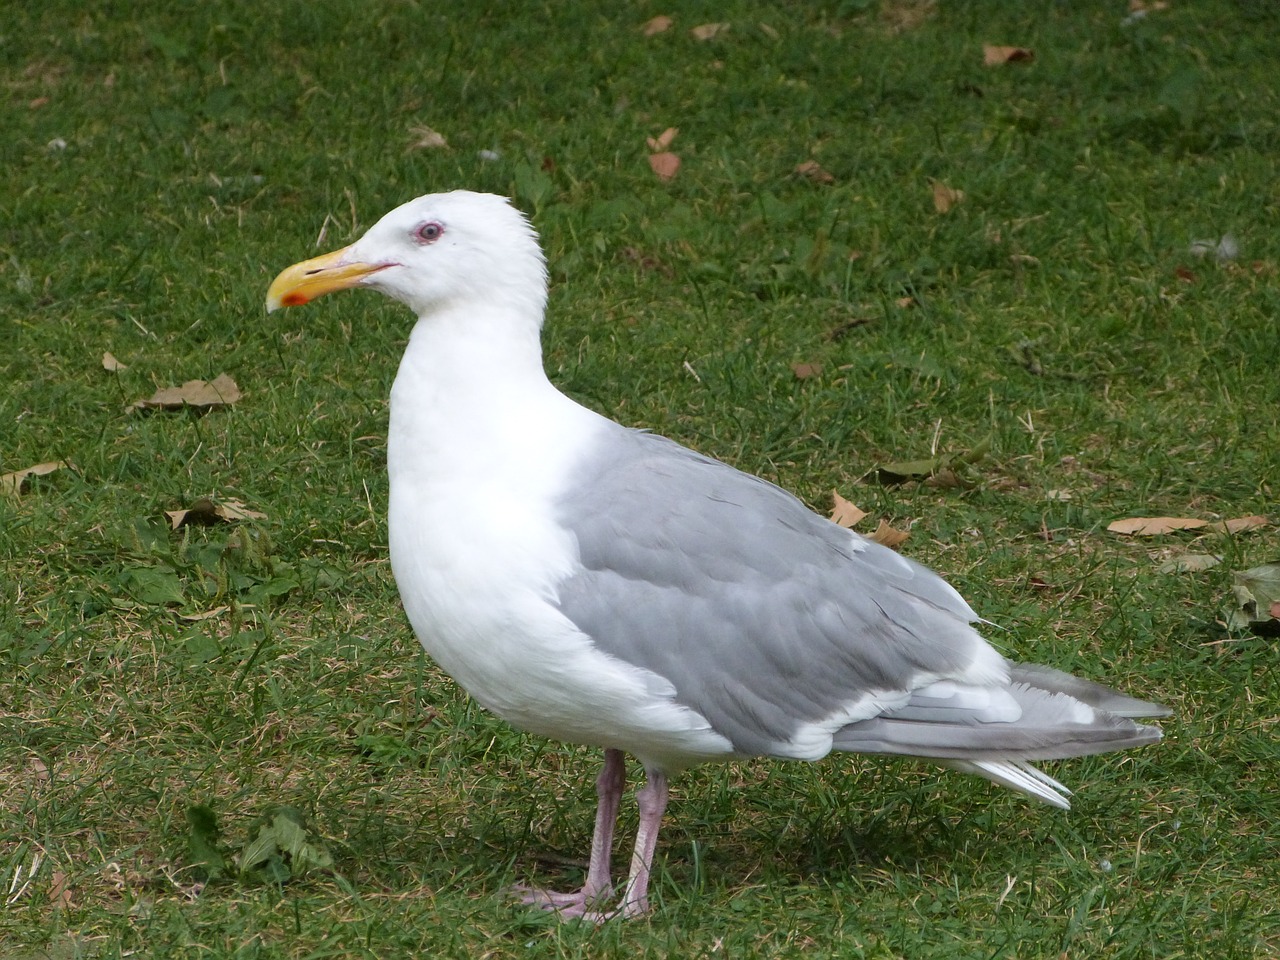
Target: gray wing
{"x":764,"y":616}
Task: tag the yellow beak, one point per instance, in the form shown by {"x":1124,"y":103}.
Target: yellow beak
{"x":305,"y":281}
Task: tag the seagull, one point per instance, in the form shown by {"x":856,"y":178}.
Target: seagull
{"x":602,"y":585}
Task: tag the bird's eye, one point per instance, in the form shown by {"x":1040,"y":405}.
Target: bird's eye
{"x":429,"y":232}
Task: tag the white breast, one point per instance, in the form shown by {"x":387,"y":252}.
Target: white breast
{"x":477,"y":554}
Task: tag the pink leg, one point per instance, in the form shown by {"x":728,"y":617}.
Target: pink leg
{"x":652,"y":800}
{"x":609,"y":787}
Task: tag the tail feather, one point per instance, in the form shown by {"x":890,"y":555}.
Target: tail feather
{"x":1086,"y":691}
{"x":994,"y":731}
{"x":1017,"y":775}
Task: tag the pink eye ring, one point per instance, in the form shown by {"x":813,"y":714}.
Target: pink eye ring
{"x":429,"y":232}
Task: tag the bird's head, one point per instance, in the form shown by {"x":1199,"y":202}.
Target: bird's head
{"x":437,"y":250}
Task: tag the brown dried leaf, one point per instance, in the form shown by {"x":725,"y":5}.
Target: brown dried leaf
{"x":205,"y":511}
{"x":812,"y":170}
{"x":659,"y":24}
{"x":11,"y":483}
{"x":665,"y":165}
{"x":1141,"y":6}
{"x":1240,"y":524}
{"x":993,"y":56}
{"x":1155,"y":526}
{"x":202,"y":394}
{"x":905,"y":302}
{"x":708,"y":31}
{"x":843,"y":512}
{"x":109,"y":362}
{"x":663,"y":140}
{"x":944,"y":197}
{"x":424,"y":138}
{"x":888,"y":536}
{"x":59,"y":890}
{"x":804,"y":371}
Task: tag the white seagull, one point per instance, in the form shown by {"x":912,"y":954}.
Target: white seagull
{"x":634,"y":595}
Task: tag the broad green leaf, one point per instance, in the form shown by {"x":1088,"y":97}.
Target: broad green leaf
{"x":1257,"y":600}
{"x":202,"y":841}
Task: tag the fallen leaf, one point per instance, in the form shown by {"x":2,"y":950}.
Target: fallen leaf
{"x":206,"y":511}
{"x":940,"y":471}
{"x":1141,"y":6}
{"x":659,"y":24}
{"x":905,"y":302}
{"x":903,"y":15}
{"x":109,"y":362}
{"x":993,"y":56}
{"x":11,"y":483}
{"x":284,"y":848}
{"x":812,"y":170}
{"x":1189,"y":563}
{"x":944,"y":197}
{"x":1257,"y":600}
{"x":204,"y":614}
{"x":1155,"y":526}
{"x":843,"y":512}
{"x":888,"y":536}
{"x":202,"y":394}
{"x":663,"y":140}
{"x":59,"y":890}
{"x":804,"y":371}
{"x":424,"y":138}
{"x":708,"y":31}
{"x":665,"y":165}
{"x":1185,"y":275}
{"x":1239,"y":524}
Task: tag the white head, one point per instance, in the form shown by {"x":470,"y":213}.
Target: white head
{"x":430,"y":253}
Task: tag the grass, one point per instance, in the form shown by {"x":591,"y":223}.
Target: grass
{"x":163,"y":163}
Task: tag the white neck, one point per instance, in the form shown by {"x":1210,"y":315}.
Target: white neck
{"x":471,"y":400}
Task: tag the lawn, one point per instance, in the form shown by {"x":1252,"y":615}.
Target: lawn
{"x":1056,"y":279}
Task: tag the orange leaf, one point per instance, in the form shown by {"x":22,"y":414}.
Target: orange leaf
{"x":663,"y":140}
{"x":659,"y":24}
{"x":944,"y":197}
{"x":813,"y":171}
{"x":708,"y":31}
{"x":665,"y":165}
{"x":204,"y":395}
{"x":843,"y":512}
{"x":888,"y":536}
{"x":994,"y":56}
{"x":804,"y":371}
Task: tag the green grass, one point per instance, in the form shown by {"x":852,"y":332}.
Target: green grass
{"x":1056,"y":310}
